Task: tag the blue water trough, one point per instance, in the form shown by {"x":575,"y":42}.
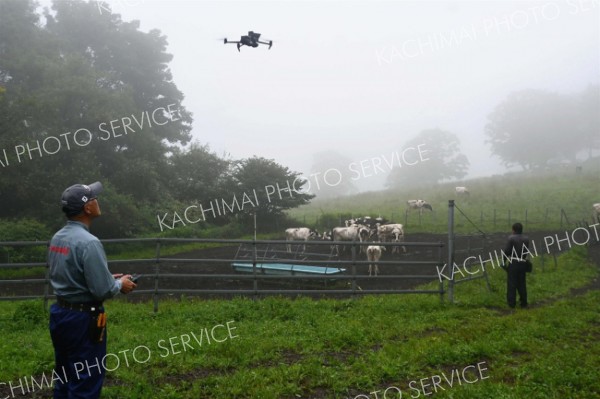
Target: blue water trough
{"x":286,"y":269}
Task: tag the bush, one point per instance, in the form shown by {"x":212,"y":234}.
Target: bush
{"x":23,"y":230}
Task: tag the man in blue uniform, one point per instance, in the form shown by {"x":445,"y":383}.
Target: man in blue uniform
{"x":517,"y":249}
{"x":81,"y":281}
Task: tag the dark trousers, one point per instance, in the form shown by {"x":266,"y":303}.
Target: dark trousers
{"x":516,"y":282}
{"x":76,"y":355}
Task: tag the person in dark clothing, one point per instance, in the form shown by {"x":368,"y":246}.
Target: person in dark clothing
{"x":81,"y":282}
{"x":517,"y":249}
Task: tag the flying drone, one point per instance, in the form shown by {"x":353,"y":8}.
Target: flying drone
{"x":250,"y":40}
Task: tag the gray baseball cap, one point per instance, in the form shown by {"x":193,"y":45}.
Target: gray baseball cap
{"x":75,"y":197}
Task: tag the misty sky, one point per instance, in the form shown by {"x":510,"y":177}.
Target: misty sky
{"x":363,"y":77}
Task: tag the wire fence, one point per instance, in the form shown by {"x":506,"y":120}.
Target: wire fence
{"x":489,"y":218}
{"x":270,"y":267}
{"x":229,"y":270}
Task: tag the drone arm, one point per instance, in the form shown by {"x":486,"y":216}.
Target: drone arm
{"x":270,"y":43}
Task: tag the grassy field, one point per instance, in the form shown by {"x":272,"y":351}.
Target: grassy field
{"x":542,"y":196}
{"x":304,"y":348}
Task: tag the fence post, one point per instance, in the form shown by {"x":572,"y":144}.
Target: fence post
{"x":405,"y":218}
{"x":47,"y":287}
{"x":481,"y":218}
{"x":156,"y":273}
{"x":562,"y":211}
{"x":353,"y":270}
{"x":255,"y":282}
{"x":546,"y":217}
{"x":441,"y":263}
{"x":451,"y":249}
{"x":509,"y":220}
{"x":525,"y":217}
{"x":494,"y":218}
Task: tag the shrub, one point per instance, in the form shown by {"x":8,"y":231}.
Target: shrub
{"x":23,"y":230}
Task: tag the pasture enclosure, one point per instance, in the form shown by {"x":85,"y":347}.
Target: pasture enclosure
{"x":265,"y":267}
{"x":491,"y":220}
{"x":213,"y":271}
{"x":539,"y":202}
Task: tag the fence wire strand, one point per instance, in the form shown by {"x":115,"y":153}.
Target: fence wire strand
{"x":470,"y":221}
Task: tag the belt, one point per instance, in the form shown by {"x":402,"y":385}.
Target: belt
{"x":81,"y":306}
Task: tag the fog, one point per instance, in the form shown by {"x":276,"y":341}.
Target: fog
{"x":362,"y":78}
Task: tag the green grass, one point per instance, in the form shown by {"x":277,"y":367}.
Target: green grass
{"x":300,"y":348}
{"x":542,"y":196}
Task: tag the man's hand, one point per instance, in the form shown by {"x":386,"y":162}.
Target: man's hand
{"x":126,"y":284}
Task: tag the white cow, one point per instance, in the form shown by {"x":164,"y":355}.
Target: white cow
{"x":299,"y":234}
{"x":419,"y":205}
{"x":352,"y":233}
{"x":391,"y":233}
{"x":462,"y":191}
{"x":597,"y":210}
{"x":398,"y":236}
{"x":384,"y":231}
{"x":374,"y":253}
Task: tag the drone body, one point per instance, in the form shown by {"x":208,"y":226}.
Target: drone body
{"x":251,"y":40}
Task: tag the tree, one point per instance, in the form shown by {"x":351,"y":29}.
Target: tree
{"x":199,"y":174}
{"x":80,"y":70}
{"x":441,"y":161}
{"x":532,"y":126}
{"x":270,"y":188}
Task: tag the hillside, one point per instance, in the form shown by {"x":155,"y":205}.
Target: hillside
{"x":535,"y":200}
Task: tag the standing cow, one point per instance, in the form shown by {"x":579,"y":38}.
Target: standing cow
{"x":352,"y":233}
{"x":374,"y":253}
{"x":299,"y":234}
{"x":419,"y":205}
{"x":391,"y":233}
{"x":462,"y":191}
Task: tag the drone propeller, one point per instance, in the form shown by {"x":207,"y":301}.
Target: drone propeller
{"x":270,"y":43}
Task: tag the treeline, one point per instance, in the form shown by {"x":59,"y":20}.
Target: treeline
{"x":85,"y":96}
{"x":535,"y":128}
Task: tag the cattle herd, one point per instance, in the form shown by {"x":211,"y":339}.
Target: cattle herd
{"x":371,"y":230}
{"x":365,"y":229}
